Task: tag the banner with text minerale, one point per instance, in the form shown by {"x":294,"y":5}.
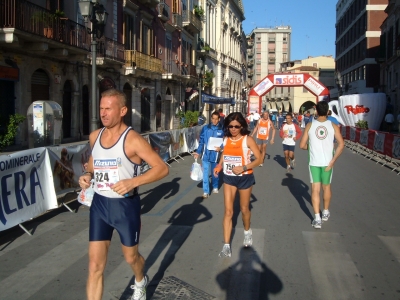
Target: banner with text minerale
{"x":27,"y":189}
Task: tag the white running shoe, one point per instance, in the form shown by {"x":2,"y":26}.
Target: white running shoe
{"x":139,"y":293}
{"x":248,"y":238}
{"x":205,"y":195}
{"x":215,"y":191}
{"x":317,"y":224}
{"x":293,"y":163}
{"x":288,"y":169}
{"x":226,"y":251}
{"x":325,"y":215}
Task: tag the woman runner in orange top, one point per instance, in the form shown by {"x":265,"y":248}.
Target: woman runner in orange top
{"x":238,"y":175}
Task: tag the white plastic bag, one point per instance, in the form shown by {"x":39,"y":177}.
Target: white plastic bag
{"x":85,"y":196}
{"x":196,"y":173}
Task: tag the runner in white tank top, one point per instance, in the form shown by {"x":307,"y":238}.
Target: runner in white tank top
{"x":318,"y":138}
{"x":117,"y":151}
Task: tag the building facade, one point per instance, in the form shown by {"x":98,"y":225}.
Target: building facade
{"x":148,"y":51}
{"x":357,"y":44}
{"x":299,"y":99}
{"x":389,"y":55}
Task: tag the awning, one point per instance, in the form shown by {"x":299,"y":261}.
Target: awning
{"x":210,"y":99}
{"x":191,"y":94}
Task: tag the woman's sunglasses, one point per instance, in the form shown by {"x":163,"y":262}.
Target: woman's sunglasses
{"x":234,"y":126}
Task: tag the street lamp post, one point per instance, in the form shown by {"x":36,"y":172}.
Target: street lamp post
{"x":199,"y":71}
{"x":97,"y":15}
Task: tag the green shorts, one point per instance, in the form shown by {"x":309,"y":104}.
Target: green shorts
{"x":318,"y":174}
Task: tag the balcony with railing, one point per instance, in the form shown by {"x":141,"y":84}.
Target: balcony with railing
{"x":250,"y":63}
{"x":250,"y":52}
{"x":250,"y":43}
{"x":109,"y":51}
{"x":137,"y":60}
{"x":177,"y":21}
{"x":163,"y":12}
{"x":191,"y":21}
{"x":250,"y":74}
{"x":24,"y":21}
{"x":174,"y":70}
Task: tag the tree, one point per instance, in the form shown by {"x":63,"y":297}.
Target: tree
{"x":8,"y":138}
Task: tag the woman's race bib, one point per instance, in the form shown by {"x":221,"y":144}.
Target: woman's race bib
{"x":230,"y":162}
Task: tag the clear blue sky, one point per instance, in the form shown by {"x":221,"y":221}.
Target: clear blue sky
{"x":312,"y":22}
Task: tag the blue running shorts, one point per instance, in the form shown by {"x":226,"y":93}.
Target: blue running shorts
{"x":241,"y":182}
{"x":288,"y":147}
{"x":121,"y":214}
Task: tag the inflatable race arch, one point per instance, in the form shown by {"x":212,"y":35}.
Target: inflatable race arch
{"x":285,"y":80}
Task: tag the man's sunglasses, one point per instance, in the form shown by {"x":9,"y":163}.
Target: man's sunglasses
{"x":234,"y":126}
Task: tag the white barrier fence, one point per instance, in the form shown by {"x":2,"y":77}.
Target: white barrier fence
{"x":35,"y":181}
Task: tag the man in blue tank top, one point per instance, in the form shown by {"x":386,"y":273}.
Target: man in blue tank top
{"x":117,"y":153}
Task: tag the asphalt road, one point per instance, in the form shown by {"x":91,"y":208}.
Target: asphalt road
{"x":356,"y":254}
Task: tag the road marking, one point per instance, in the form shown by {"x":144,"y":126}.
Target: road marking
{"x":38,"y":230}
{"x":172,"y":203}
{"x":393,"y":243}
{"x":333,"y":271}
{"x":158,"y":248}
{"x":25,"y":282}
{"x":238,"y":277}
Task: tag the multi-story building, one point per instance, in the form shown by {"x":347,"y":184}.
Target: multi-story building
{"x":267,"y":49}
{"x":222,"y":46}
{"x":148,"y":50}
{"x":299,"y":99}
{"x":389,"y":55}
{"x":357,"y":43}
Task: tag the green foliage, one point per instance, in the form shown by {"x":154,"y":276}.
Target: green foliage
{"x":12,"y":128}
{"x":188,"y":119}
{"x":206,"y":47}
{"x":48,"y":19}
{"x":198,"y":11}
{"x":208,"y":78}
{"x":362,"y":124}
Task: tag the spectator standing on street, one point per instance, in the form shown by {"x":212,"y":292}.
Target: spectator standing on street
{"x":273,"y":119}
{"x":209,"y":156}
{"x":332,"y":119}
{"x":238,"y":176}
{"x":318,"y":139}
{"x":221,"y":118}
{"x":307,"y":117}
{"x":117,"y":154}
{"x":389,"y":120}
{"x":290,"y":133}
{"x":256,"y":117}
{"x":250,"y":117}
{"x":280,"y":120}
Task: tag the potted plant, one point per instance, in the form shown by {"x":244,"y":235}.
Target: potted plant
{"x":206,"y":47}
{"x":362,"y":124}
{"x":47,"y":20}
{"x":198,"y":11}
{"x":208,"y":78}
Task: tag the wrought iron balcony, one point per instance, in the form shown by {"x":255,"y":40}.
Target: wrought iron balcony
{"x":22,"y":20}
{"x":191,"y":21}
{"x":250,"y":43}
{"x":250,"y":52}
{"x":111,"y":50}
{"x":177,"y":21}
{"x":250,"y":74}
{"x":250,"y":63}
{"x":136,"y":59}
{"x":163,"y":11}
{"x":174,"y":69}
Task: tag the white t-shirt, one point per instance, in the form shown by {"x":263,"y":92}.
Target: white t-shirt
{"x":250,"y":118}
{"x":256,"y":116}
{"x":289,"y":132}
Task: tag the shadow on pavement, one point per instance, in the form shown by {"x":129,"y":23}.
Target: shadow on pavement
{"x":300,"y":192}
{"x":165,"y":190}
{"x":249,"y":278}
{"x":186,"y":217}
{"x":280,"y":160}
